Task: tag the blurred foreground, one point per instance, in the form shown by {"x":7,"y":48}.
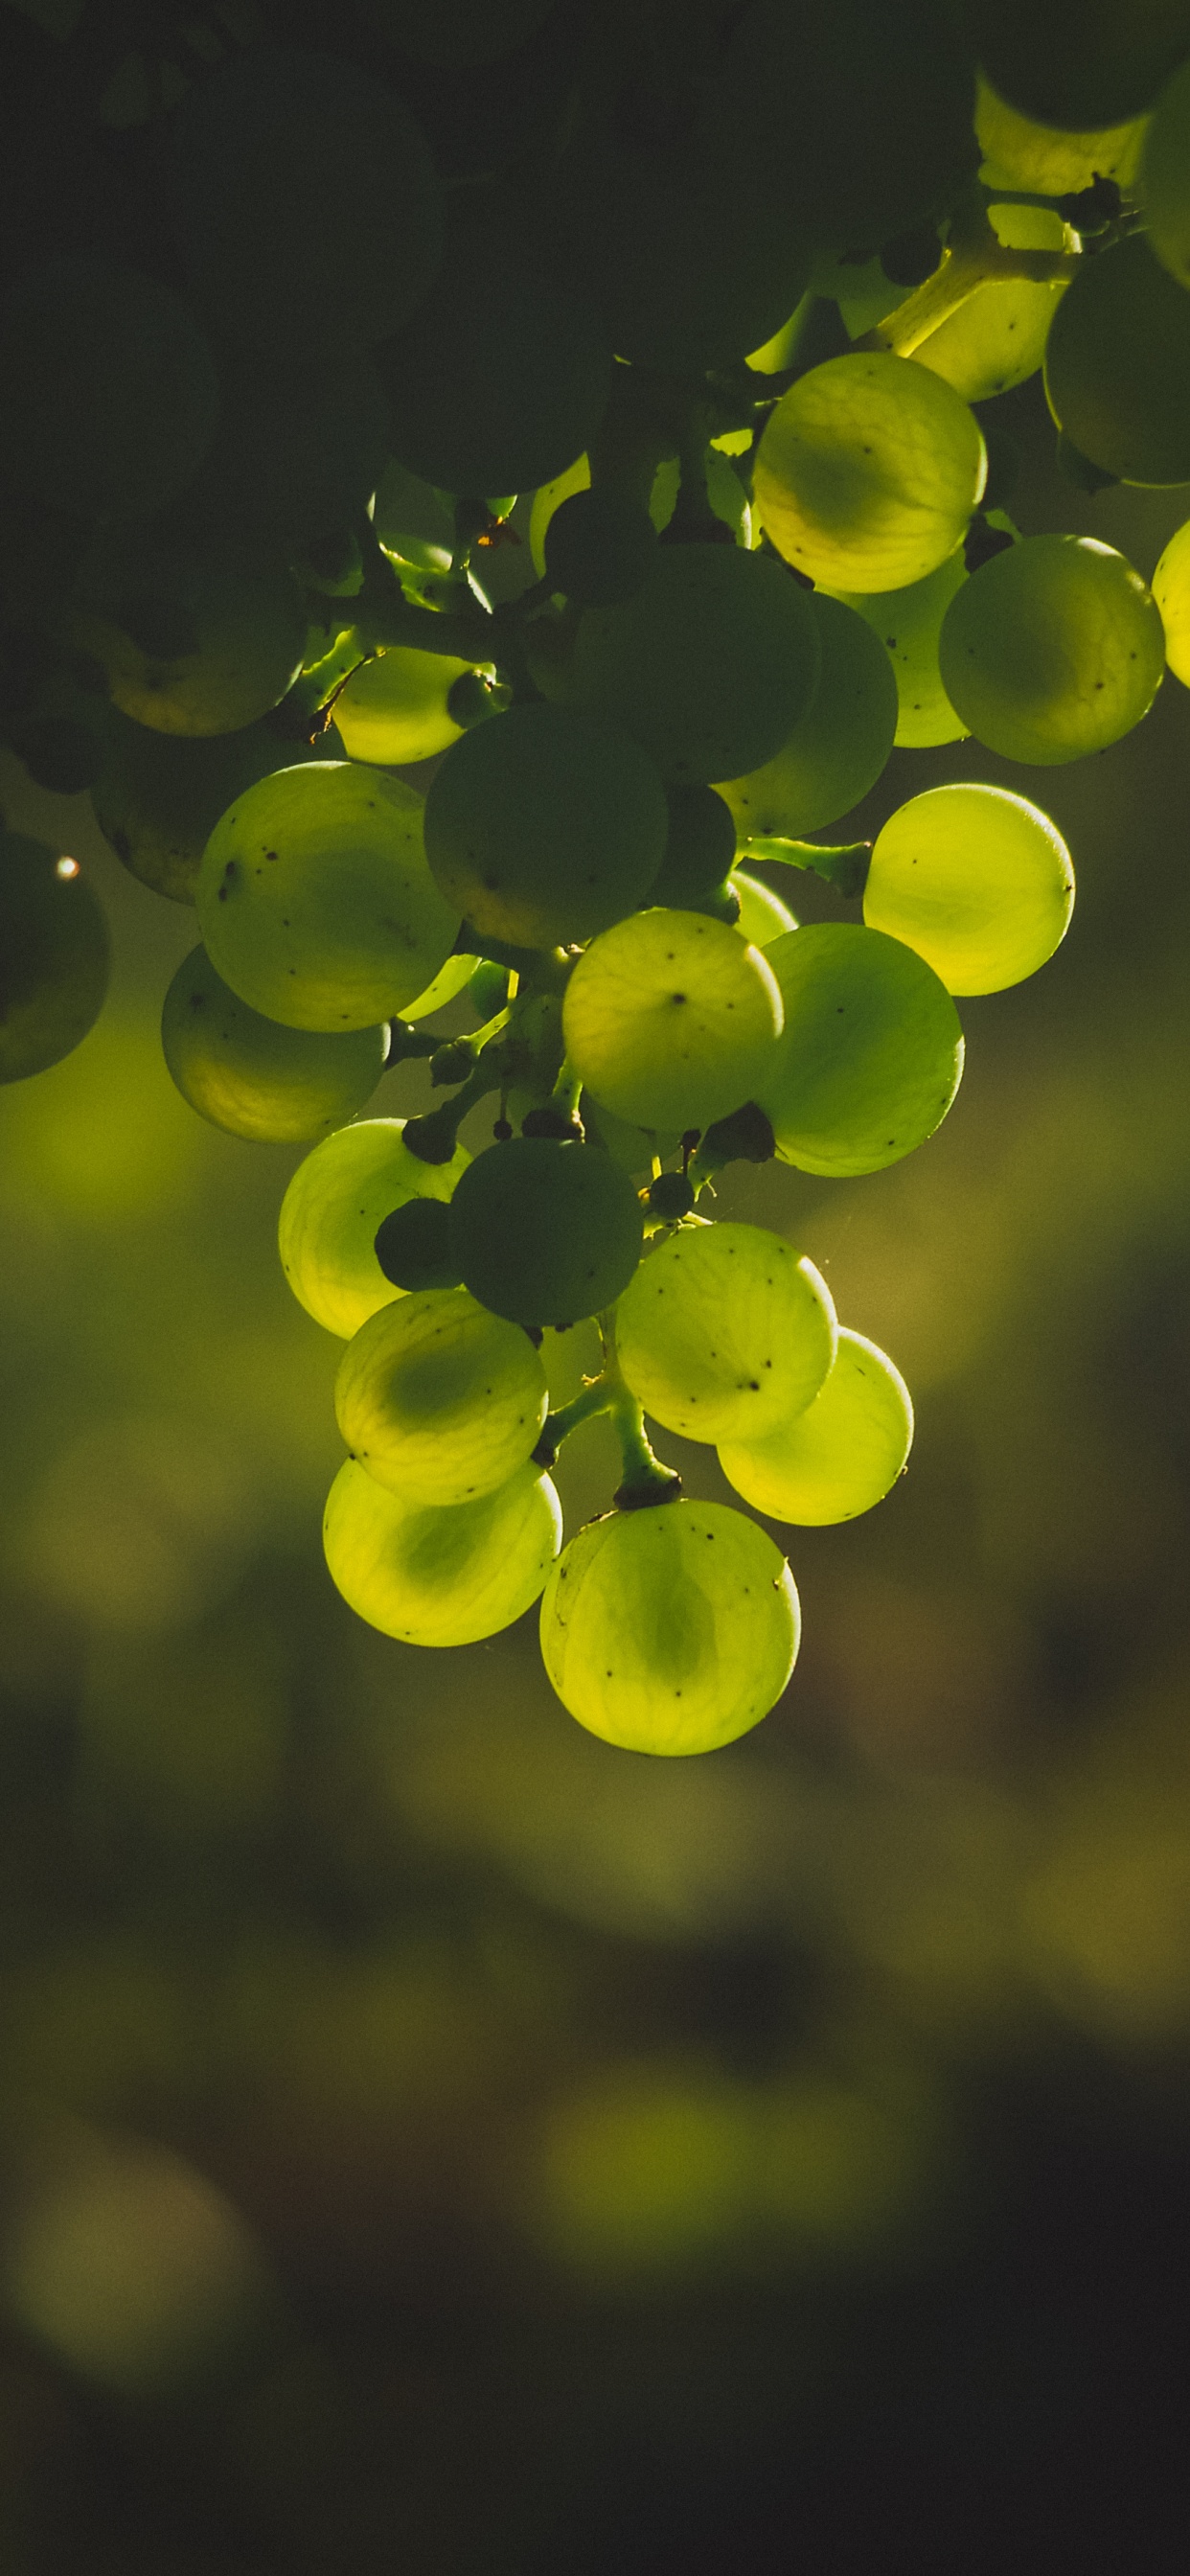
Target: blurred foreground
{"x":434,"y":2142}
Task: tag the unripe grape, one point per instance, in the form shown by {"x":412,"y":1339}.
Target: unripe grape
{"x":333,"y":1207}
{"x":1052,"y":650}
{"x":438,"y":1399}
{"x":978,"y":881}
{"x":725,"y":1332}
{"x":55,"y":956}
{"x":841,"y":1455}
{"x":545,"y":1231}
{"x":671,"y":1019}
{"x":672,"y":1629}
{"x":254,"y":1078}
{"x":871,"y":1053}
{"x":868,"y":471}
{"x":441,"y":1574}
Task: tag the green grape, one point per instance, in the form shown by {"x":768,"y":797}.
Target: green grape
{"x":1165,"y":177}
{"x":159,"y":796}
{"x":501,"y":379}
{"x":868,"y":471}
{"x":315,"y":901}
{"x":544,"y":826}
{"x":1117,"y":366}
{"x":842,"y":1455}
{"x":725,"y":1332}
{"x":55,"y":956}
{"x":299,"y":450}
{"x":631,"y":1147}
{"x":1052,"y":649}
{"x":456,"y":35}
{"x":662,"y":500}
{"x":763,"y":916}
{"x":909,"y":623}
{"x":253,"y":1077}
{"x":413,"y":1246}
{"x":439,"y":1400}
{"x":304,"y":201}
{"x":452,"y":978}
{"x":997,"y":338}
{"x":977,"y":881}
{"x":699,"y":847}
{"x":599,"y":546}
{"x":871,"y":1054}
{"x":393,"y":710}
{"x":1079,"y":63}
{"x":840,"y":743}
{"x":488,"y":989}
{"x":333,"y":1209}
{"x":191,"y":640}
{"x":545,"y":1230}
{"x":441,"y":1574}
{"x":1171,"y":590}
{"x":108,"y":391}
{"x":412,"y":520}
{"x":672,"y":1020}
{"x":709,"y":666}
{"x":672,"y":1629}
{"x":1019,"y":153}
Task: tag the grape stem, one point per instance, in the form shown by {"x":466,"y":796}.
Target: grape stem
{"x":974,"y":257}
{"x":643,"y":1478}
{"x":845,"y":866}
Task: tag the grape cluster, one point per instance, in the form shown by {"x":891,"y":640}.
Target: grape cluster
{"x":438,"y":388}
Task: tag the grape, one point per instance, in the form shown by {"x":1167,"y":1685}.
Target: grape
{"x":109,"y":394}
{"x":1171,"y":590}
{"x":629,"y":1146}
{"x":725,"y":494}
{"x":977,"y":881}
{"x":441,"y":1574}
{"x":725,"y":1332}
{"x":192,"y":640}
{"x":333,"y":1209}
{"x":599,"y":546}
{"x":315,"y":901}
{"x":393,"y":709}
{"x":1018,"y":153}
{"x":304,"y":201}
{"x":1079,"y":63}
{"x":501,"y":379}
{"x":839,"y":745}
{"x":672,"y":1020}
{"x":1052,"y":649}
{"x":841,"y":1455}
{"x":544,"y":826}
{"x":1165,"y":177}
{"x":412,"y":520}
{"x":300,"y":448}
{"x":413,"y":1246}
{"x":451,"y":979}
{"x":254,"y":1078}
{"x":871,"y":1055}
{"x":868,"y":471}
{"x":709,"y":666}
{"x":439,"y":1400}
{"x":672,"y":1629}
{"x":159,"y":796}
{"x":763,"y":916}
{"x":699,"y":848}
{"x":55,"y":956}
{"x":997,"y":338}
{"x":909,"y":623}
{"x":1117,"y":366}
{"x":544,"y":1230}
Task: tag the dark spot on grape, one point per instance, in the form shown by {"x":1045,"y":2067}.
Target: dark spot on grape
{"x":271,"y":854}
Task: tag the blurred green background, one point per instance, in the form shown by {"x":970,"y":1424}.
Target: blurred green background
{"x":433,"y":2141}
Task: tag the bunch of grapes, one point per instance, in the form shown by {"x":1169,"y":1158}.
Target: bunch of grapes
{"x":442,"y":394}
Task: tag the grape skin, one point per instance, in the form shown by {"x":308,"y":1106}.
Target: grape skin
{"x":55,"y":957}
{"x":670,"y":1630}
{"x":840,"y":743}
{"x":315,"y":901}
{"x":1052,"y":650}
{"x":337,"y":1199}
{"x":871,"y":1055}
{"x":1164,"y":187}
{"x":394,"y":708}
{"x":545,"y":1231}
{"x":663,"y":1052}
{"x":909,"y":624}
{"x":1117,"y":366}
{"x":725,"y":1332}
{"x":254,"y":1078}
{"x":1171,"y":590}
{"x":763,"y":916}
{"x":441,"y":1574}
{"x":868,"y":471}
{"x":159,"y":796}
{"x":841,"y":1455}
{"x":544,"y":826}
{"x":439,"y":1400}
{"x":978,"y":881}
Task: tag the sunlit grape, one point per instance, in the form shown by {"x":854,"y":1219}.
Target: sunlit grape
{"x":725,"y":1332}
{"x":441,"y":1574}
{"x":838,"y":1457}
{"x":1165,"y":176}
{"x":253,"y":1077}
{"x":672,"y":1629}
{"x":671,"y":1019}
{"x":868,"y":471}
{"x":335,"y":1203}
{"x":394,"y":709}
{"x":840,"y":743}
{"x":1052,"y":649}
{"x":438,"y":1399}
{"x":1171,"y":590}
{"x":909,"y":624}
{"x":871,"y":1052}
{"x":978,"y":881}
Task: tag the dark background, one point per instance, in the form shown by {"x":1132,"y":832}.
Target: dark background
{"x":435,"y":2142}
